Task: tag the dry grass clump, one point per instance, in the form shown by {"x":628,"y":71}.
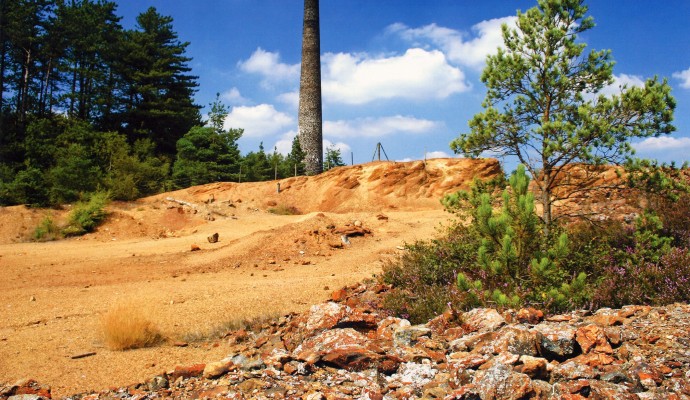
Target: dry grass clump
{"x":225,"y":327}
{"x":126,"y":326}
{"x":285,"y":209}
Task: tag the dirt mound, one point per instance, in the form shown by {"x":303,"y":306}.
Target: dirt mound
{"x":367,"y":187}
{"x":352,"y":219}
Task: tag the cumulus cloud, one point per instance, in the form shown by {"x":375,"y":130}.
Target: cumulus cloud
{"x":438,"y":154}
{"x":622,"y":80}
{"x":460,"y":48}
{"x":663,"y":143}
{"x":378,"y":127}
{"x":344,"y":148}
{"x":430,"y":155}
{"x":284,"y":144}
{"x":290,"y":99}
{"x":684,"y":77}
{"x":233,"y":96}
{"x":268,"y":65}
{"x":417,"y":75}
{"x":258,"y":121}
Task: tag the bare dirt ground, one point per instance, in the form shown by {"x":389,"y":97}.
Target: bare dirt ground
{"x":54,"y":293}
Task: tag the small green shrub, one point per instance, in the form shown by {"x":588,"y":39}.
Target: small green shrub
{"x":502,"y":258}
{"x":284,"y":209}
{"x":46,"y":230}
{"x":86,"y":216}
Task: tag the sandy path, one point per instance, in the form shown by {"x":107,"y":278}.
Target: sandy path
{"x":263,"y":265}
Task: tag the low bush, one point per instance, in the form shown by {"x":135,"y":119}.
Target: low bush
{"x":86,"y":216}
{"x":284,"y":209}
{"x":45,"y":231}
{"x":502,"y":258}
{"x":125,"y":326}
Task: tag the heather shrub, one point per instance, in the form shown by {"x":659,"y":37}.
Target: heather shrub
{"x":424,"y":277}
{"x":502,"y":258}
{"x":645,"y":268}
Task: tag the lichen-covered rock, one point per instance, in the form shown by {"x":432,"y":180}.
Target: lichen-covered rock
{"x":482,"y":320}
{"x":556,"y":341}
{"x":342,"y":351}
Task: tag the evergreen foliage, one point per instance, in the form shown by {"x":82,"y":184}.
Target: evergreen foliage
{"x":543,"y":103}
{"x":295,"y":159}
{"x":87,"y":215}
{"x":208,"y":153}
{"x":256,"y":166}
{"x":332,"y":158}
{"x":498,"y":256}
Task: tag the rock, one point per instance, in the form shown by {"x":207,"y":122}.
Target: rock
{"x":500,"y":382}
{"x":187,"y":371}
{"x":216,"y":369}
{"x":414,"y":375}
{"x":157,"y":383}
{"x":516,"y":340}
{"x":357,"y":223}
{"x":408,"y":335}
{"x":482,"y":320}
{"x":213,"y":238}
{"x":325,"y":316}
{"x":556,"y":342}
{"x":341,"y":351}
{"x":195,"y":247}
{"x":593,"y":338}
{"x":386,"y":327}
{"x":534,"y":367}
{"x":345,"y":348}
{"x":27,"y":389}
{"x":338,"y":295}
{"x":246,"y":364}
{"x":571,"y":370}
{"x":529,"y":316}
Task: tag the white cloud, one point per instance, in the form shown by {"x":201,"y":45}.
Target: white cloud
{"x":344,"y":148}
{"x":663,"y":143}
{"x":417,"y":75}
{"x":284,"y":144}
{"x":622,"y":80}
{"x":291,"y":99}
{"x":458,"y":46}
{"x":268,"y":65}
{"x":378,"y":127}
{"x":438,"y":154}
{"x":258,"y":121}
{"x":430,"y":155}
{"x":233,"y":96}
{"x":684,"y":77}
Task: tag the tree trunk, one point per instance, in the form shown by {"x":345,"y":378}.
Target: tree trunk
{"x":309,"y":116}
{"x":24,"y":89}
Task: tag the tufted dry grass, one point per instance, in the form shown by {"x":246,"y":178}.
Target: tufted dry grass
{"x":126,"y":326}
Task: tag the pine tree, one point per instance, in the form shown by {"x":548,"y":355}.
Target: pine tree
{"x":160,"y":89}
{"x":543,"y":104}
{"x":295,"y":159}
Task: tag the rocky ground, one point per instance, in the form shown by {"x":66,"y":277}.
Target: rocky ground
{"x":347,"y":348}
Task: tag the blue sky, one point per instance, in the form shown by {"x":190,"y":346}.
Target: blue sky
{"x":401,"y":72}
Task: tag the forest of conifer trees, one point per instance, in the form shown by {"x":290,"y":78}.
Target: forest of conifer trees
{"x":86,"y":106}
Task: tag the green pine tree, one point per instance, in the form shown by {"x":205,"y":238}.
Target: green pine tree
{"x":543,"y":104}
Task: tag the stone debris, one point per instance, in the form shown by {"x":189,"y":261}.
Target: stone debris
{"x":348,"y":348}
{"x":213,"y":238}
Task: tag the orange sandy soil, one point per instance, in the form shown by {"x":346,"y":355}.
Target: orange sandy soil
{"x":54,"y":294}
